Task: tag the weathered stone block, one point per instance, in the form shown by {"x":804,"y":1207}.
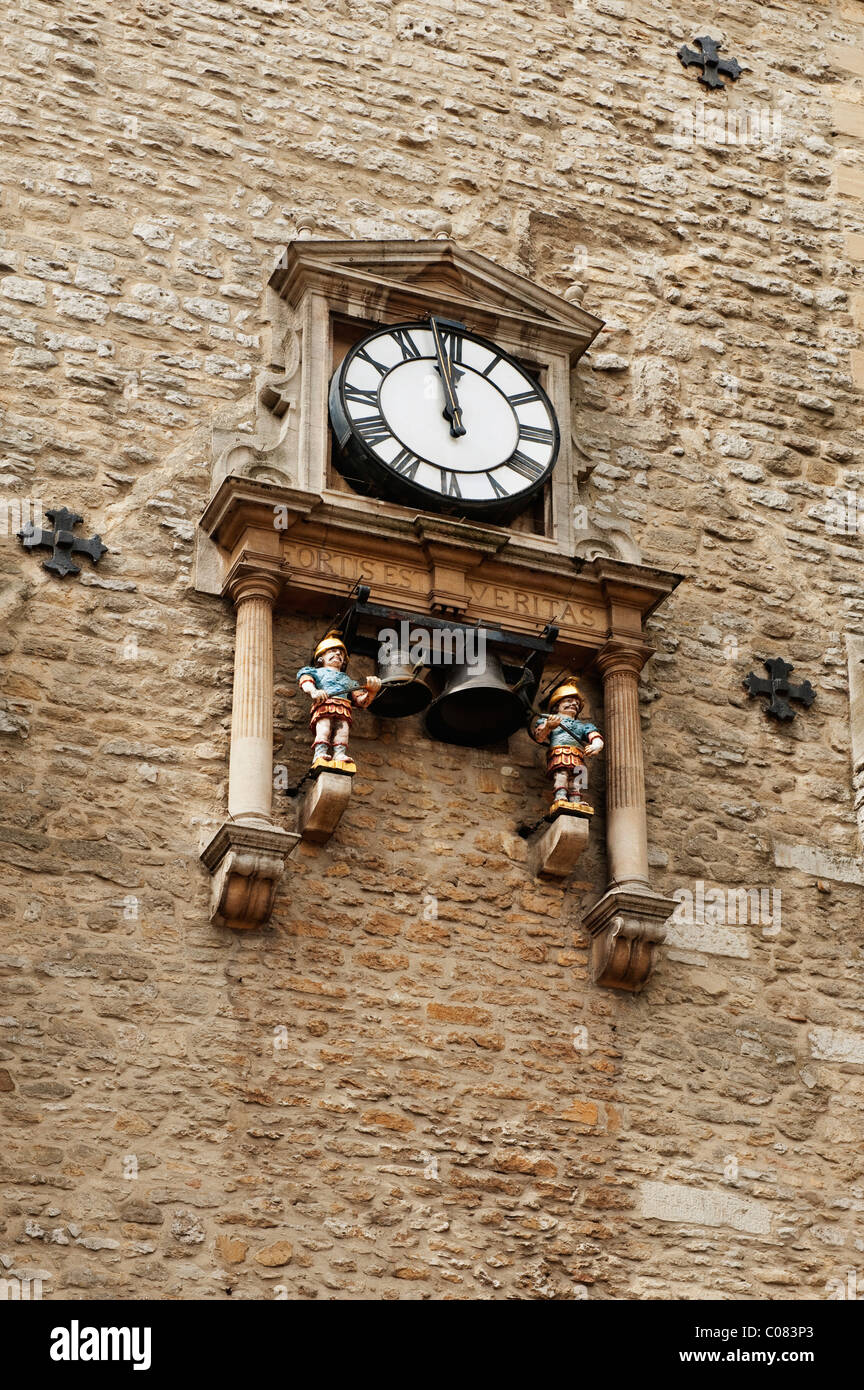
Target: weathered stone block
{"x":555,"y":849}
{"x":323,"y":805}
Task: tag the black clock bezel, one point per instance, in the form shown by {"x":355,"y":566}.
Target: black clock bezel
{"x":371,"y":477}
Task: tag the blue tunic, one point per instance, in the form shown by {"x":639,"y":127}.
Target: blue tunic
{"x":570,"y":733}
{"x":337,"y":683}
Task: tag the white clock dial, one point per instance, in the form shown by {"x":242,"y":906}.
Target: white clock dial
{"x":429,"y":413}
{"x":410,"y":402}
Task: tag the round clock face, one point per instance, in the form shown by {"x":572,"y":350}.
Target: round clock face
{"x":431,"y":415}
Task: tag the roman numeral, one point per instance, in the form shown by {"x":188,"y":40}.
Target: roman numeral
{"x":529,"y":468}
{"x":374,"y":429}
{"x":359,"y":396}
{"x":405,"y":463}
{"x":449,"y":484}
{"x":492,"y":365}
{"x":406,"y":344}
{"x":452,"y":344}
{"x":379,"y":366}
{"x":497,"y":488}
{"x":536,"y":434}
{"x":524,"y":397}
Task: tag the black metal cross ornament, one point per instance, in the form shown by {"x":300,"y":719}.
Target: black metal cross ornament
{"x":710,"y":62}
{"x":778,"y":687}
{"x":61,"y":541}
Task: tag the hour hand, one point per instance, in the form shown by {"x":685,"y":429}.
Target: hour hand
{"x":453,"y":411}
{"x":449,"y":375}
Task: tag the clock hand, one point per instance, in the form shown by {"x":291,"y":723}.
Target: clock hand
{"x":449,"y":376}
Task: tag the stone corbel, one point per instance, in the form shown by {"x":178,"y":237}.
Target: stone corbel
{"x":626,"y":928}
{"x":246,"y":863}
{"x":628,"y":923}
{"x":554,"y":849}
{"x":322,"y":806}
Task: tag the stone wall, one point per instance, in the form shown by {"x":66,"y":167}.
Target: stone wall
{"x":408,"y":1088}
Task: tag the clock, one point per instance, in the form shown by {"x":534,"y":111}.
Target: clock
{"x":431,"y":415}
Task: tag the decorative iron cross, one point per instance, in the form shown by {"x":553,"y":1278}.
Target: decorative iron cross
{"x":62,"y":541}
{"x":777,"y":686}
{"x":710,"y":62}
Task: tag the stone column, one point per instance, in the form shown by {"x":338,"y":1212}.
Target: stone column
{"x":627,"y":924}
{"x":247,"y":855}
{"x":855,"y":650}
{"x":626,"y":825}
{"x":250,"y":773}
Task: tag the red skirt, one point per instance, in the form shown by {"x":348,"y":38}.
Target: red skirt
{"x":334,"y":707}
{"x":564,"y":757}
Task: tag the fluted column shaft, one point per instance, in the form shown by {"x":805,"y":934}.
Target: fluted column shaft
{"x":250,"y":773}
{"x":626,"y":824}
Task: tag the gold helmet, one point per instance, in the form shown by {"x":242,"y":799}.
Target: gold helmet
{"x":567,"y":690}
{"x":328,"y":644}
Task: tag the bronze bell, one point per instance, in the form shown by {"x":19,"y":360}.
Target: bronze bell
{"x":405,"y":688}
{"x":476,"y":706}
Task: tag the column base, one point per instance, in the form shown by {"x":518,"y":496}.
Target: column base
{"x":554,"y":850}
{"x":627,"y":925}
{"x":322,"y":806}
{"x":246,"y":862}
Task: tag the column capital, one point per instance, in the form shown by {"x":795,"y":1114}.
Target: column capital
{"x":251,"y":577}
{"x":622,"y":654}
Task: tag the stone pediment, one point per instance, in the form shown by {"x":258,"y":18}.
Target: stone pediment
{"x":417,"y":277}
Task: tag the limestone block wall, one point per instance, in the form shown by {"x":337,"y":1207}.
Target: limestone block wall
{"x":408,"y":1087}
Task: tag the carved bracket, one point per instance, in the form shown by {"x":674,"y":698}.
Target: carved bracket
{"x":626,"y":928}
{"x":246,"y":862}
{"x":323,"y":805}
{"x":555,"y":848}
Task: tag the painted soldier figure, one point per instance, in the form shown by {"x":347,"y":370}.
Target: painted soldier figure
{"x":570,"y":741}
{"x":333,"y":693}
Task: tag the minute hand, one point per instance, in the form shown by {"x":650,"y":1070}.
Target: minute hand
{"x":452,"y":409}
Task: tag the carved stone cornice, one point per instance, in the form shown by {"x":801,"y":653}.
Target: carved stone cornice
{"x":408,"y":278}
{"x":240,"y":504}
{"x":461,"y":537}
{"x":420,"y":563}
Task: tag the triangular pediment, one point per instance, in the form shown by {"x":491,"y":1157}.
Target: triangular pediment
{"x":404,"y":271}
